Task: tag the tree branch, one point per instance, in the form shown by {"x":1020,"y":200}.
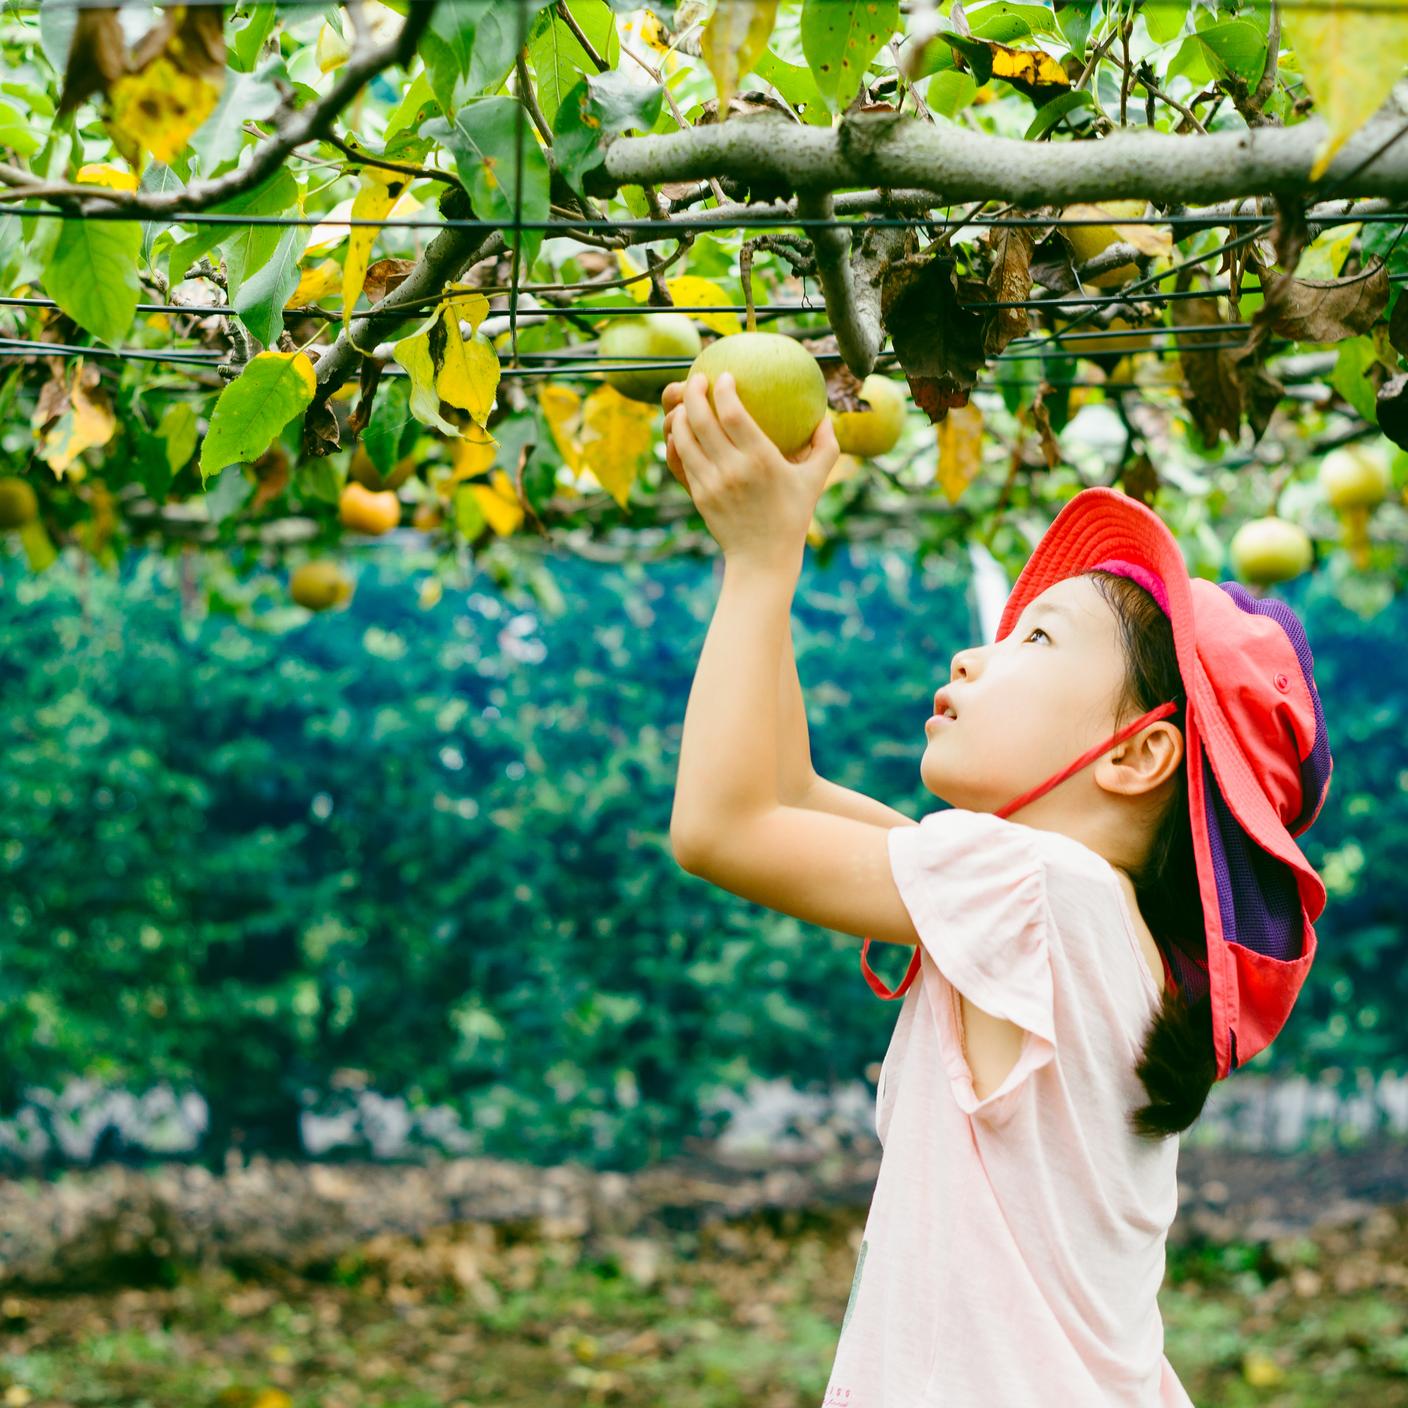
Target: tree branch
{"x":851,"y":283}
{"x":955,"y":165}
{"x":310,"y":124}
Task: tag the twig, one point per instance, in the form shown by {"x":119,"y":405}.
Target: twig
{"x":366,"y":159}
{"x":530,"y":98}
{"x":588,"y":48}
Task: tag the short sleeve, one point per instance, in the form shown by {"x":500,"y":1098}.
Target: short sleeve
{"x":975,"y":886}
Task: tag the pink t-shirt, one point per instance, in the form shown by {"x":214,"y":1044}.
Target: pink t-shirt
{"x":1014,"y":1247}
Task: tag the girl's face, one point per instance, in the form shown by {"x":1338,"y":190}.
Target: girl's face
{"x":1028,"y":705}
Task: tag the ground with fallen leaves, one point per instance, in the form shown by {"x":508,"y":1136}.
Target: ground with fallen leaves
{"x":739,"y":1312}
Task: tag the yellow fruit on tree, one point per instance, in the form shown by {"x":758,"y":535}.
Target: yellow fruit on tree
{"x":319,"y":585}
{"x":1084,"y":346}
{"x":779,"y":382}
{"x":370,"y":477}
{"x":877,"y":430}
{"x":1087,"y":241}
{"x":1353,"y":476}
{"x":367,"y":511}
{"x":660,"y":335}
{"x":18,"y":502}
{"x":1266,"y":550}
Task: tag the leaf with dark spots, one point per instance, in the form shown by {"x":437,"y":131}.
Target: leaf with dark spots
{"x":1325,"y":310}
{"x":939,"y":343}
{"x":1041,"y":418}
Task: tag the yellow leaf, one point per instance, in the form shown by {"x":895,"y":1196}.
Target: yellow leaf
{"x":332,"y":49}
{"x":315,"y":283}
{"x":562,"y":408}
{"x":468,"y":374}
{"x":85,"y":422}
{"x":413,"y":353}
{"x":472,"y":454}
{"x":690,"y":291}
{"x":332,"y":229}
{"x":733,"y":41}
{"x":639,"y":284}
{"x":373,"y":201}
{"x":158,"y":108}
{"x":960,"y":450}
{"x":617,"y":436}
{"x":1027,"y":68}
{"x":1350,"y":58}
{"x":499,"y":503}
{"x":99,"y":173}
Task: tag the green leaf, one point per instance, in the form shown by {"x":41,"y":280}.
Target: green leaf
{"x":261,"y":297}
{"x":246,"y":97}
{"x":1051,"y":113}
{"x":1164,"y":19}
{"x":839,"y":39}
{"x":796,"y":84}
{"x":391,"y":433}
{"x":594,"y":111}
{"x":1234,"y":49}
{"x":273,"y":388}
{"x":447,"y":46}
{"x":247,"y":38}
{"x":177,"y":432}
{"x":1075,"y":18}
{"x":17,"y":131}
{"x":559,"y":60}
{"x":1033,"y":19}
{"x":57,"y":21}
{"x":92,"y":275}
{"x":1349,"y":378}
{"x":492,"y":140}
{"x":951,"y":91}
{"x":228,"y":495}
{"x":276,"y":196}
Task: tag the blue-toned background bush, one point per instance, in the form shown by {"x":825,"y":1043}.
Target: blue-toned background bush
{"x":431,"y":847}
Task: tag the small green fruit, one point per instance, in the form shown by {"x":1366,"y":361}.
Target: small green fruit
{"x":18,"y":503}
{"x":876,"y":431}
{"x":779,"y":382}
{"x":1266,"y":550}
{"x":1354,"y":477}
{"x":320,"y":584}
{"x":662,"y":335}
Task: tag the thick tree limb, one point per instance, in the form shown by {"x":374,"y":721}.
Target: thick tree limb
{"x":869,"y":149}
{"x":850,"y":282}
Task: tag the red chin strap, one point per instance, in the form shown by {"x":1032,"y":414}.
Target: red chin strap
{"x":1089,"y":756}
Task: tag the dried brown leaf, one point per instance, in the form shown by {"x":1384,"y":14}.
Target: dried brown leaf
{"x":97,"y":57}
{"x":1326,"y":310}
{"x":385,"y":275}
{"x":1009,"y":281}
{"x":939,"y":343}
{"x":1214,"y":383}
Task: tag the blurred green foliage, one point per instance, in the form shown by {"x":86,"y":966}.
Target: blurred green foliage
{"x":428,"y":849}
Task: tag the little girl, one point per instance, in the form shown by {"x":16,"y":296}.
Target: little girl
{"x":1110,"y":915}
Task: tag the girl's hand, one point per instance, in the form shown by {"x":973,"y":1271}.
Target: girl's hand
{"x":757,"y":501}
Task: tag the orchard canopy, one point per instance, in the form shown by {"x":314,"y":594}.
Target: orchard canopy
{"x":282,"y":277}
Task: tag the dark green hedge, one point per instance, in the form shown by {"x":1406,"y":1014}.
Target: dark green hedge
{"x":428,"y":849}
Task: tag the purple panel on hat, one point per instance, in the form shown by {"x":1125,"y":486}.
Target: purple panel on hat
{"x":1150,"y":581}
{"x":1315,"y":769}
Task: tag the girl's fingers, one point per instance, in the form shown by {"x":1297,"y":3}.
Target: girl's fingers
{"x":704,"y":424}
{"x":739,"y":426}
{"x":672,"y":395}
{"x":693,"y":460}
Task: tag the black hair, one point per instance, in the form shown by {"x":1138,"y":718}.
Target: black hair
{"x":1176,"y":1065}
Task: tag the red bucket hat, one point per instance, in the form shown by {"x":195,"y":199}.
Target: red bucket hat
{"x":1257,"y":757}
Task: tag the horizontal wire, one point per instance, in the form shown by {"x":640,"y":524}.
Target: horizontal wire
{"x":1373,"y":7}
{"x":735,"y":220}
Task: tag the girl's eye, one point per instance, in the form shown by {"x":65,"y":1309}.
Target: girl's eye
{"x":1036,"y":630}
